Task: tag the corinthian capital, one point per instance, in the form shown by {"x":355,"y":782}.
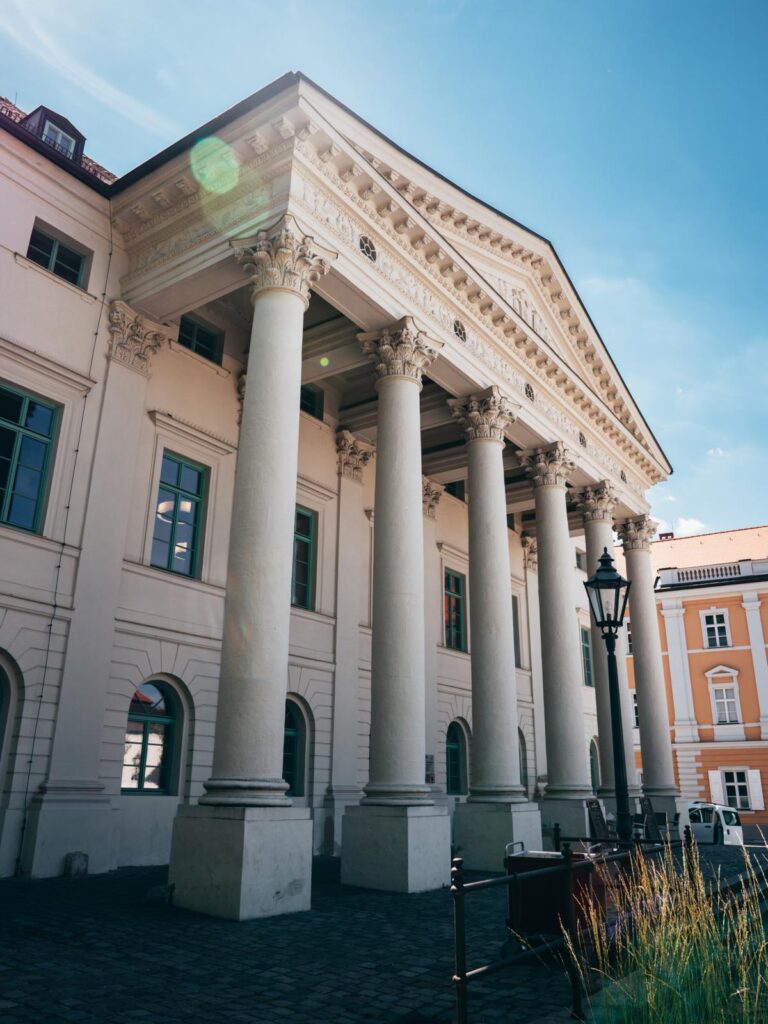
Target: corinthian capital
{"x":283,"y":257}
{"x":403,"y":350}
{"x":431,"y":494}
{"x":530,"y":551}
{"x":636,"y":533}
{"x":597,"y":502}
{"x":134,"y":339}
{"x":484,"y":416}
{"x":549,"y":466}
{"x":352,"y":456}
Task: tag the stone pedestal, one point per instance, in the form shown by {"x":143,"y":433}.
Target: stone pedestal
{"x":569,"y":814}
{"x":482,"y":831}
{"x":398,"y":849}
{"x":242,"y":862}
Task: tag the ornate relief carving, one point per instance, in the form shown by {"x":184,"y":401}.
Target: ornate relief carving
{"x":352,"y":456}
{"x":403,"y":350}
{"x":242,"y":378}
{"x":484,"y":416}
{"x":283,"y":257}
{"x":597,"y":503}
{"x":637,"y":533}
{"x":431,"y":495}
{"x":134,"y":339}
{"x":530,"y":551}
{"x":549,"y":467}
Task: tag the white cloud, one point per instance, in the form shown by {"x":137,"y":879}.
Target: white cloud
{"x":23,"y":26}
{"x":685,"y":527}
{"x":717,"y":453}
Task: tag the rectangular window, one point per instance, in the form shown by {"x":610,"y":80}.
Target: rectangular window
{"x":205,"y":341}
{"x":635,"y":711}
{"x":581,"y":560}
{"x":628,"y":625}
{"x":516,"y":630}
{"x":303,"y":584}
{"x":736,"y":790}
{"x":58,"y":139}
{"x":716,"y":629}
{"x":311,"y":400}
{"x":454,"y":611}
{"x":53,"y":255}
{"x":26,"y":437}
{"x":178,"y":516}
{"x":457,"y":489}
{"x":726,"y":709}
{"x":586,"y":657}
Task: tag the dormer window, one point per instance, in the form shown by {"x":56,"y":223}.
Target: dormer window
{"x":59,"y":139}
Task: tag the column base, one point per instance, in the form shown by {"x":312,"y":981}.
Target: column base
{"x":69,"y":817}
{"x":664,"y":799}
{"x":570,"y":813}
{"x":608,"y":798}
{"x":396,"y":849}
{"x":242,"y":862}
{"x":482,"y":831}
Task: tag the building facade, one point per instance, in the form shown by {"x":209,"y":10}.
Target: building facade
{"x":711,"y":593}
{"x":369,"y":640}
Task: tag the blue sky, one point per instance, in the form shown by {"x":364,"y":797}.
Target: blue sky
{"x":632,"y":134}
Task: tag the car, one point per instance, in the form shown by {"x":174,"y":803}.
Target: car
{"x":715,"y":823}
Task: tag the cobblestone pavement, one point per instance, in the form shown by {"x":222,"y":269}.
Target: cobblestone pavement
{"x":94,"y":951}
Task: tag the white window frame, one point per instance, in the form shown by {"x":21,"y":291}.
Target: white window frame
{"x":703,"y":617}
{"x":723,"y":678}
{"x":754,"y":797}
{"x":59,"y":136}
{"x":628,"y":636}
{"x":522,"y":622}
{"x":457,"y":561}
{"x":582,"y":630}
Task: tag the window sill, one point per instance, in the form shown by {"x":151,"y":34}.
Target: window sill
{"x":208,"y":363}
{"x":166,"y":575}
{"x":31,"y":265}
{"x":464,"y":655}
{"x":735,"y":731}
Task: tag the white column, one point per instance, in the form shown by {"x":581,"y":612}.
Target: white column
{"x":655,"y":743}
{"x":751,"y":605}
{"x":351,"y":544}
{"x":497,"y":811}
{"x":686,"y":727}
{"x":397,"y":839}
{"x":433,"y":604}
{"x":597,"y":504}
{"x":245,"y":851}
{"x":568,"y":783}
{"x":72,"y":811}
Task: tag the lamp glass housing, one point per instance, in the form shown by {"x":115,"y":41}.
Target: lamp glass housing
{"x":607,"y":592}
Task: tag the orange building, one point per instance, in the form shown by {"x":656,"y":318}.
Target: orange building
{"x":712,"y":598}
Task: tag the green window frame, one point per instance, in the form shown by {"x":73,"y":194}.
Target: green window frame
{"x":27,"y":430}
{"x":179,"y":516}
{"x":516,"y":630}
{"x":51,"y":254}
{"x":304,"y":543}
{"x":198,"y":337}
{"x":455,"y":781}
{"x":454,"y":605}
{"x":149,"y":741}
{"x":311,"y":400}
{"x":294,"y":743}
{"x":586,"y":657}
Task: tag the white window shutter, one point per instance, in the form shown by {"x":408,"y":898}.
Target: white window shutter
{"x":716,"y":787}
{"x":756,"y":801}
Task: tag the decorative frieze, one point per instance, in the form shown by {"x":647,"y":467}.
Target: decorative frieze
{"x":484,"y":416}
{"x":431,"y":495}
{"x":637,"y":533}
{"x":283,"y":257}
{"x":352,"y":456}
{"x":530,"y":551}
{"x":403,"y":350}
{"x":597,"y":502}
{"x":134,"y":339}
{"x":549,"y":467}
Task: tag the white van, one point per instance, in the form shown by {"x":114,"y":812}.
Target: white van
{"x":715,"y":823}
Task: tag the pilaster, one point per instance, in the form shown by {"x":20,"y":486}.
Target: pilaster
{"x":751,"y":606}
{"x":686,"y":728}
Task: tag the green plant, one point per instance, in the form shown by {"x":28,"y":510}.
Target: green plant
{"x":676,"y":948}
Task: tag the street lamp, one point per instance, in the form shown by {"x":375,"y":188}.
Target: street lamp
{"x":607,"y":592}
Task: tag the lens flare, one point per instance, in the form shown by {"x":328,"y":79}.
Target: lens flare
{"x":325,"y":361}
{"x":214,"y":165}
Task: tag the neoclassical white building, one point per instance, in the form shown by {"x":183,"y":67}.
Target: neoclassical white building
{"x":305,"y":451}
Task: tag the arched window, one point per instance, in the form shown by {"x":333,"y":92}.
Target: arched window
{"x":148,"y":760}
{"x":523,"y":754}
{"x":294,"y":745}
{"x":455,"y":760}
{"x":594,"y":765}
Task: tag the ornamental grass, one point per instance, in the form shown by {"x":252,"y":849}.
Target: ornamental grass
{"x":676,"y":948}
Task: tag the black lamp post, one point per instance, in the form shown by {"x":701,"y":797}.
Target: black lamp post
{"x":608,"y":591}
